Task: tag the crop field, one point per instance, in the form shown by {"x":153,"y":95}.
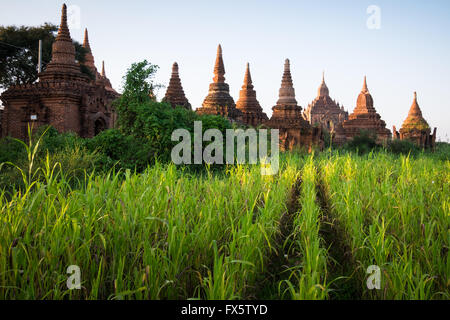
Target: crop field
{"x":309,"y":232}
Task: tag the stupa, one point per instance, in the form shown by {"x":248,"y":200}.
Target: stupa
{"x":219,"y":101}
{"x":363,"y":118}
{"x":252,"y":113}
{"x":287,"y":117}
{"x":175,"y":93}
{"x":415,"y":128}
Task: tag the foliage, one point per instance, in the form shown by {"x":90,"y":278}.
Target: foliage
{"x":363,"y":143}
{"x":403,"y":147}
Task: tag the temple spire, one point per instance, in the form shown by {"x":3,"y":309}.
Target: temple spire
{"x":323,"y":89}
{"x":86,"y":40}
{"x":287,"y":92}
{"x":219,"y":68}
{"x":63,"y":31}
{"x":247,"y":77}
{"x":63,"y":55}
{"x":365,"y":89}
{"x":415,"y":111}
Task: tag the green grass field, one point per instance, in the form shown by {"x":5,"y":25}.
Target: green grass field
{"x":309,"y":232}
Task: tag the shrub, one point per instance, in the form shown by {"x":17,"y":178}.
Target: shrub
{"x":402,"y":147}
{"x":363,"y":143}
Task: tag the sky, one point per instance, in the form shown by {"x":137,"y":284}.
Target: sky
{"x":403,"y":46}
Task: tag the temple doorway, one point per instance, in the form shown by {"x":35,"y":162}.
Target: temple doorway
{"x":100,"y":125}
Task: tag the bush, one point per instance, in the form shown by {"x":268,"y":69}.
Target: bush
{"x":11,"y":150}
{"x":403,"y":147}
{"x":442,"y":151}
{"x":363,"y":143}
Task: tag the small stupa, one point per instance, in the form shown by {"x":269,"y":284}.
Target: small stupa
{"x":295,"y":131}
{"x":365,"y":118}
{"x":415,"y":128}
{"x":219,"y":101}
{"x":175,"y":93}
{"x":252,"y":113}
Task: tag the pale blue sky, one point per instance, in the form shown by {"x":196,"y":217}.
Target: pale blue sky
{"x":409,"y":53}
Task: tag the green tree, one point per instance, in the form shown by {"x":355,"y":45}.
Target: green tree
{"x":138,"y":87}
{"x":19,"y":52}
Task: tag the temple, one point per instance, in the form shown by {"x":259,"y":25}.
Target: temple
{"x":175,"y":93}
{"x":219,"y":101}
{"x":252,"y":113}
{"x":63,"y":97}
{"x":287,"y":117}
{"x":324,"y":111}
{"x":416,"y":129}
{"x":363,"y":118}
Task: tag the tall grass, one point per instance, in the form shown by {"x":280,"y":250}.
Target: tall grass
{"x":171,"y":234}
{"x":308,"y":279}
{"x":395,"y":215}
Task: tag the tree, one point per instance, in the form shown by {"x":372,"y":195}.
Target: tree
{"x":19,"y":53}
{"x":138,"y":90}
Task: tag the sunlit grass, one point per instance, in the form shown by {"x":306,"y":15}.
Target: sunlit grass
{"x":171,"y":234}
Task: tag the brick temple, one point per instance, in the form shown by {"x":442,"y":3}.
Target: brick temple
{"x":324,"y":111}
{"x":287,"y":117}
{"x":63,"y":96}
{"x":416,"y":129}
{"x":219,"y":101}
{"x":363,"y":118}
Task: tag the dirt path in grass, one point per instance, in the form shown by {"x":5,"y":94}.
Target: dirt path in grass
{"x":283,"y":255}
{"x":341,"y":264}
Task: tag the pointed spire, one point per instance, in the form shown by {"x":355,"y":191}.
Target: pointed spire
{"x":63,"y":31}
{"x":63,"y":55}
{"x":89,"y":60}
{"x":365,"y":89}
{"x":247,"y":77}
{"x":415,"y":109}
{"x":86,"y":40}
{"x":174,"y":69}
{"x":323,"y":89}
{"x":219,"y":68}
{"x":287,"y":91}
